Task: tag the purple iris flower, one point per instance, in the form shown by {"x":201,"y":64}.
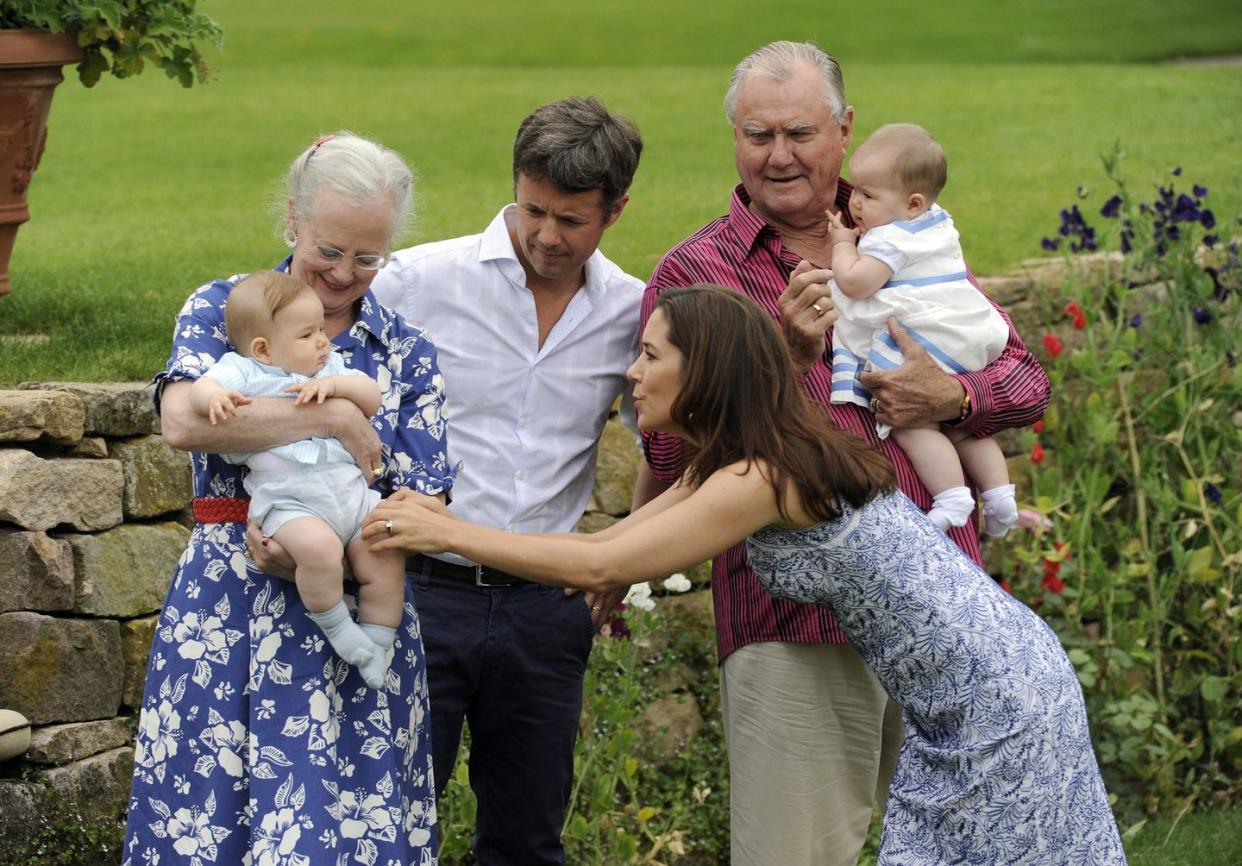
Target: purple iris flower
{"x":1207,"y":219}
{"x":1050,"y":244}
{"x":1111,"y":208}
{"x":1200,"y":191}
{"x":1212,"y":492}
{"x":1136,"y":321}
{"x":1202,"y":315}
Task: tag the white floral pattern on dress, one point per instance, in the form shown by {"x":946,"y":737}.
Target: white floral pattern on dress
{"x":256,"y":744}
{"x":997,"y":765}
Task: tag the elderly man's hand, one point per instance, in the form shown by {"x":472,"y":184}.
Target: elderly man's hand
{"x":916,"y":394}
{"x":807,"y":313}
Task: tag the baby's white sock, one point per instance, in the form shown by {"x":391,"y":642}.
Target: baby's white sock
{"x":951,"y":507}
{"x":1000,"y":510}
{"x":376,"y":669}
{"x":349,"y":641}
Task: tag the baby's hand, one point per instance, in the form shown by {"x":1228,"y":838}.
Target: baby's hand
{"x":223,"y":404}
{"x":839,"y":231}
{"x":313,"y":390}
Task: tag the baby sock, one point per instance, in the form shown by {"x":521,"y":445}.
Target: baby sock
{"x":951,"y":507}
{"x":350,"y":642}
{"x":376,"y":669}
{"x":1000,"y":510}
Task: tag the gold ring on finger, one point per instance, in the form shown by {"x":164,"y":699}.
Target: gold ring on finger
{"x":819,"y":311}
{"x":388,"y":527}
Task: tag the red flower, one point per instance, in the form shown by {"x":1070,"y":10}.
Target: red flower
{"x":1038,"y":426}
{"x":1052,"y":345}
{"x":1053,"y":584}
{"x":1063,"y":549}
{"x":1077,"y":316}
{"x":1037,"y":454}
{"x":1004,"y":584}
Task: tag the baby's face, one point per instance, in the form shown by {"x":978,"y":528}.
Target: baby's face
{"x":298,"y":342}
{"x":878,"y":198}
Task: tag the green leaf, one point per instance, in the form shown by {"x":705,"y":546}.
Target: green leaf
{"x":1214,"y":688}
{"x":1199,"y":565}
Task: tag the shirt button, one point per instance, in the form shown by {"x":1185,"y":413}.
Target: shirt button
{"x":519,"y":475}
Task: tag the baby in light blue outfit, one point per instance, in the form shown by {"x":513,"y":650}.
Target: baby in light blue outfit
{"x":308,"y":495}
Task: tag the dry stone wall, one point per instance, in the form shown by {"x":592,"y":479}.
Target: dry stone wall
{"x":92,"y":525}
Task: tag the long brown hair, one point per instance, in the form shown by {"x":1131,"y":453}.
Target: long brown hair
{"x":740,"y":401}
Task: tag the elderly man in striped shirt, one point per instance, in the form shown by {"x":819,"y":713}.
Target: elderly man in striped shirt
{"x":812,"y":737}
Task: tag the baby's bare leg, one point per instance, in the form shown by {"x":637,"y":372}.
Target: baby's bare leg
{"x":985,"y":464}
{"x":381,"y":602}
{"x":935,"y":461}
{"x":381,"y":583}
{"x":982,"y":459}
{"x":316,"y":552}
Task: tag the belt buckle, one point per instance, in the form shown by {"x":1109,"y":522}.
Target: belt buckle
{"x":480,"y":580}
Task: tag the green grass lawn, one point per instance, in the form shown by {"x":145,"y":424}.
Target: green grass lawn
{"x":147,"y":190}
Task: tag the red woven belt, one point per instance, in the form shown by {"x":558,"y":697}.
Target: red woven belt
{"x":211,"y":509}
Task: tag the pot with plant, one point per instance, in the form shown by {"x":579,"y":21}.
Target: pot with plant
{"x":37,"y":37}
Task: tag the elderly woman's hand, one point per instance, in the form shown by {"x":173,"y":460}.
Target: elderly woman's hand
{"x":357,"y":435}
{"x":409,"y":521}
{"x":267,"y":553}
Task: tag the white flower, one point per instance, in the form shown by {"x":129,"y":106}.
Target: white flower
{"x":277,"y":836}
{"x":677,"y":583}
{"x":230,"y":741}
{"x":197,"y":638}
{"x":158,"y":731}
{"x":192,"y":832}
{"x":358,"y":818}
{"x":639,"y":596}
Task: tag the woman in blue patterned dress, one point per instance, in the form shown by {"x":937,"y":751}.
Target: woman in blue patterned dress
{"x":997,"y":766}
{"x":256,"y":744}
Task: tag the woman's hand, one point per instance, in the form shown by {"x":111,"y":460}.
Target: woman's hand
{"x":807,"y":313}
{"x":409,"y":521}
{"x":357,"y":435}
{"x":267,"y":553}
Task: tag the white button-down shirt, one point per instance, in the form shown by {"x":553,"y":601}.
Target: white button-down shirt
{"x":524,"y":420}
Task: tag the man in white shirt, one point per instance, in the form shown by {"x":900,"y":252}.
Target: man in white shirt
{"x":535,"y":329}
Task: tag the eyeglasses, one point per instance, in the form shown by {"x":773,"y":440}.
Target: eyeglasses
{"x":331,"y":255}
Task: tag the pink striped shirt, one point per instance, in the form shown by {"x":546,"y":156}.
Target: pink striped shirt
{"x":740,"y":250}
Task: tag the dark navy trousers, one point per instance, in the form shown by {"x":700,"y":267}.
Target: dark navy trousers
{"x":509,"y":661}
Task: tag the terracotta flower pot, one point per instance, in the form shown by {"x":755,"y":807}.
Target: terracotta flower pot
{"x":30,"y":62}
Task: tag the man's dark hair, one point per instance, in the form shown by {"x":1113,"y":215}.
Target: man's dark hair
{"x":579,"y":146}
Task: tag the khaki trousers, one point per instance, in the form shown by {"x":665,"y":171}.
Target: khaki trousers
{"x":813,"y":742}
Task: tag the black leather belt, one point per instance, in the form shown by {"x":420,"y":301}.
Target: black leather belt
{"x":479,"y":575}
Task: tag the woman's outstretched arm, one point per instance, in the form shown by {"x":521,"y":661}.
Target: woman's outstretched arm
{"x":692,"y":526}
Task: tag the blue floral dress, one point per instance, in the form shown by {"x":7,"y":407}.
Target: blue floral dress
{"x":997,"y":765}
{"x":256,"y":744}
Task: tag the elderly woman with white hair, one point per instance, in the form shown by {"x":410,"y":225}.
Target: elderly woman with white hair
{"x":256,"y":743}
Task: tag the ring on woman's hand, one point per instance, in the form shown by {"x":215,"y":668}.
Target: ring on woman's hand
{"x":595,"y":607}
{"x":388,"y":527}
{"x":376,"y":470}
{"x":819,"y":311}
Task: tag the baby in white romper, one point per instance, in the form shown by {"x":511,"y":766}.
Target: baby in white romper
{"x":908,"y":264}
{"x":309,"y":495}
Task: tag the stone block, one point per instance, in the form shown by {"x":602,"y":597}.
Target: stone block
{"x":60,"y":670}
{"x":99,"y":785}
{"x":112,"y":408}
{"x":125,"y":571}
{"x":29,"y":415}
{"x":36,"y":572}
{"x":616,"y":469}
{"x":136,"y":638}
{"x":673,"y":720}
{"x":1007,"y":289}
{"x":93,"y":447}
{"x":39,"y":494}
{"x":157,"y":478}
{"x":64,"y":744}
{"x":594,"y":521}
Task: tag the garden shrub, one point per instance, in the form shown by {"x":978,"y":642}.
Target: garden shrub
{"x":1135,"y":476}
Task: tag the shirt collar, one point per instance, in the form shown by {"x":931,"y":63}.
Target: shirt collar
{"x":497,"y":246}
{"x":749,"y":226}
